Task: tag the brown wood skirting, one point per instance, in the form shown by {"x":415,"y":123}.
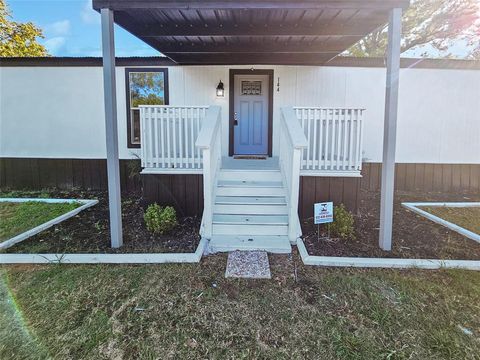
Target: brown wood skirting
{"x":185,"y":192}
{"x":320,"y":189}
{"x":425,"y":177}
{"x":63,"y":174}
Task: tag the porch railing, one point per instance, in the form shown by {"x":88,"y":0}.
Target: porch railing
{"x":168,"y":138}
{"x":334,"y":139}
{"x":293,"y":145}
{"x":210,"y":144}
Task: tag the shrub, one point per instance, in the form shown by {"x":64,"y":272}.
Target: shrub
{"x":343,"y":223}
{"x":160,"y":220}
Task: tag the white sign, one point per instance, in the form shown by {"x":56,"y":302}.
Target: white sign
{"x":323,"y":213}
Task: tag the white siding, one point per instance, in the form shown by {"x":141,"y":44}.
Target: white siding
{"x":56,"y":112}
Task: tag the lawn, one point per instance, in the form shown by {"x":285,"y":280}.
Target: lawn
{"x":17,"y":218}
{"x":466,"y":217}
{"x":192,"y":311}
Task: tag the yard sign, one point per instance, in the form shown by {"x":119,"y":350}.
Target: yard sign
{"x":323,"y":213}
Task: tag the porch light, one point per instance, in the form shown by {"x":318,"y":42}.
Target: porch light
{"x":220,"y":89}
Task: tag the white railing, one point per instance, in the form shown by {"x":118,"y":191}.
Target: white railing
{"x":334,"y":137}
{"x":293,"y":143}
{"x":210,"y":144}
{"x":168,"y":136}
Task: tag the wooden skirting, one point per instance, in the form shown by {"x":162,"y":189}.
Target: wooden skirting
{"x":185,"y":192}
{"x":64,"y":174}
{"x":425,"y":177}
{"x":319,"y":189}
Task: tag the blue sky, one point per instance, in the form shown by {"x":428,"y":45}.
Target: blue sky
{"x":72,"y":28}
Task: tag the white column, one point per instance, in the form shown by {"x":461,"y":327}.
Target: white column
{"x":390,"y":129}
{"x":113,"y":169}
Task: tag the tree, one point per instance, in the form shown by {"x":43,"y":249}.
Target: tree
{"x":18,"y":39}
{"x":146,"y":88}
{"x":437,"y":23}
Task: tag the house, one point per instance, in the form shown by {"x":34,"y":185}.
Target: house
{"x":250,"y":119}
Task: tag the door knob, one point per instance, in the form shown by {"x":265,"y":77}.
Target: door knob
{"x":235,"y":119}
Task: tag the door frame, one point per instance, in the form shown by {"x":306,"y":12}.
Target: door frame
{"x":234,"y":72}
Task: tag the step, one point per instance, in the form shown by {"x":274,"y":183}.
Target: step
{"x":250,"y":224}
{"x":249,"y":184}
{"x":249,"y":188}
{"x":250,"y":209}
{"x":249,"y":175}
{"x":250,"y":219}
{"x":251,"y":200}
{"x":249,"y":191}
{"x":260,"y":205}
{"x":241,"y":229}
{"x":274,"y":244}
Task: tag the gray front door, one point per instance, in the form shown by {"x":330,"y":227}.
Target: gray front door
{"x":250,"y":132}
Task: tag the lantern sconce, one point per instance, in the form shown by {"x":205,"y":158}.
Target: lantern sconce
{"x":220,"y":89}
{"x":278,"y":85}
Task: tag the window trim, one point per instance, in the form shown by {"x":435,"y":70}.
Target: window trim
{"x":163,"y":70}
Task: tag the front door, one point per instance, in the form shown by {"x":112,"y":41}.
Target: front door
{"x":251,"y":114}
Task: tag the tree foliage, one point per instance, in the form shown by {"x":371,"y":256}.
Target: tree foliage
{"x":146,"y":88}
{"x":437,"y":23}
{"x":18,"y":39}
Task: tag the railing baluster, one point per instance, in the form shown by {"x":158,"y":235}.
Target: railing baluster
{"x":162,"y":135}
{"x":344,"y":144}
{"x":314,"y":150}
{"x":152,"y":114}
{"x":180,"y":136}
{"x":350,"y":142}
{"x":175,"y":132}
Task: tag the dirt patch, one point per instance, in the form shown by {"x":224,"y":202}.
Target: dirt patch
{"x":413,"y":235}
{"x":467,"y":217}
{"x":88,"y":232}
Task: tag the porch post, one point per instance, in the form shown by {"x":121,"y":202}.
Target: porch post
{"x":390,"y":129}
{"x":113,"y":169}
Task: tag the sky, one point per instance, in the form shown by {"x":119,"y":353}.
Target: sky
{"x":72,"y":28}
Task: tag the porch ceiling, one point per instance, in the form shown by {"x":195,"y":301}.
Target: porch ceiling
{"x":309,"y":32}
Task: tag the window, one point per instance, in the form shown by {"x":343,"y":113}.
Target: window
{"x":145,"y":86}
{"x":251,"y":88}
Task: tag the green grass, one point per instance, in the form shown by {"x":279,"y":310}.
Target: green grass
{"x":192,"y":311}
{"x":19,"y":217}
{"x":467,"y":217}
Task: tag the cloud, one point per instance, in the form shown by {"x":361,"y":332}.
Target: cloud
{"x":58,"y":28}
{"x":88,"y":15}
{"x":55,"y":44}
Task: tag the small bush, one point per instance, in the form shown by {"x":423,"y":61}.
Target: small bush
{"x":160,"y":220}
{"x":343,"y":223}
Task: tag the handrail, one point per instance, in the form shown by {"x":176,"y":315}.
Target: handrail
{"x":293,"y":142}
{"x":295,"y":131}
{"x":209,"y":141}
{"x":206,"y":136}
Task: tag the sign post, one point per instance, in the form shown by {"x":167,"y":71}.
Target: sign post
{"x":322,"y":214}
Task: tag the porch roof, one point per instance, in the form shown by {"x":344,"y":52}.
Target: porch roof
{"x":308,"y":32}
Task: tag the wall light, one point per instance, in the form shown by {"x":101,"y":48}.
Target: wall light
{"x":220,"y":89}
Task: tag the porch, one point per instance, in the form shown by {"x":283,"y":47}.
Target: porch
{"x":251,"y":203}
{"x":311,"y":141}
